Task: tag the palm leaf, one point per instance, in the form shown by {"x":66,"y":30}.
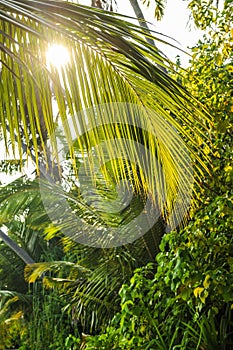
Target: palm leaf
{"x":10,"y":308}
{"x":33,"y":271}
{"x":110,"y":63}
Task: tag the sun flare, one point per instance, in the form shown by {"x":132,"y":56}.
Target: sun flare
{"x":57,"y":55}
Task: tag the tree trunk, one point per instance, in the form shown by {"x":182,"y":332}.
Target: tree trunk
{"x":143,"y":24}
{"x":22,"y":254}
{"x":141,"y":18}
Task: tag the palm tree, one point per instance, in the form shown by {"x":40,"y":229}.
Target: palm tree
{"x":110,"y":63}
{"x":111,"y":91}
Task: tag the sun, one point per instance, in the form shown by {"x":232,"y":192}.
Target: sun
{"x":57,"y":55}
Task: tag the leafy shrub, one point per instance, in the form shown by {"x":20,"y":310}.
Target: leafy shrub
{"x":188,"y":301}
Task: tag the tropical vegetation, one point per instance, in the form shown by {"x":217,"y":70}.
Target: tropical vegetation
{"x":67,"y":284}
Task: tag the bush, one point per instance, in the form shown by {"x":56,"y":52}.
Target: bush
{"x":187,"y":302}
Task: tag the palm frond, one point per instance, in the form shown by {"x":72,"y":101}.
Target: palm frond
{"x":37,"y":270}
{"x":111,"y":64}
{"x":10,"y":309}
{"x":13,"y":295}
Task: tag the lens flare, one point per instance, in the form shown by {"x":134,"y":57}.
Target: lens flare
{"x":57,"y":55}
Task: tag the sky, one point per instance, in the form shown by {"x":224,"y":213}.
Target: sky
{"x":175,"y":24}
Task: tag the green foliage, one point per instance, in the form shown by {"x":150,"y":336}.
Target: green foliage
{"x":159,"y":7}
{"x":82,"y":268}
{"x":201,"y":257}
{"x":11,"y":333}
{"x":12,"y":325}
{"x":47,"y":326}
{"x":36,"y":316}
{"x":187,"y":303}
{"x":184,"y":301}
{"x":72,"y":343}
{"x":210,"y":14}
